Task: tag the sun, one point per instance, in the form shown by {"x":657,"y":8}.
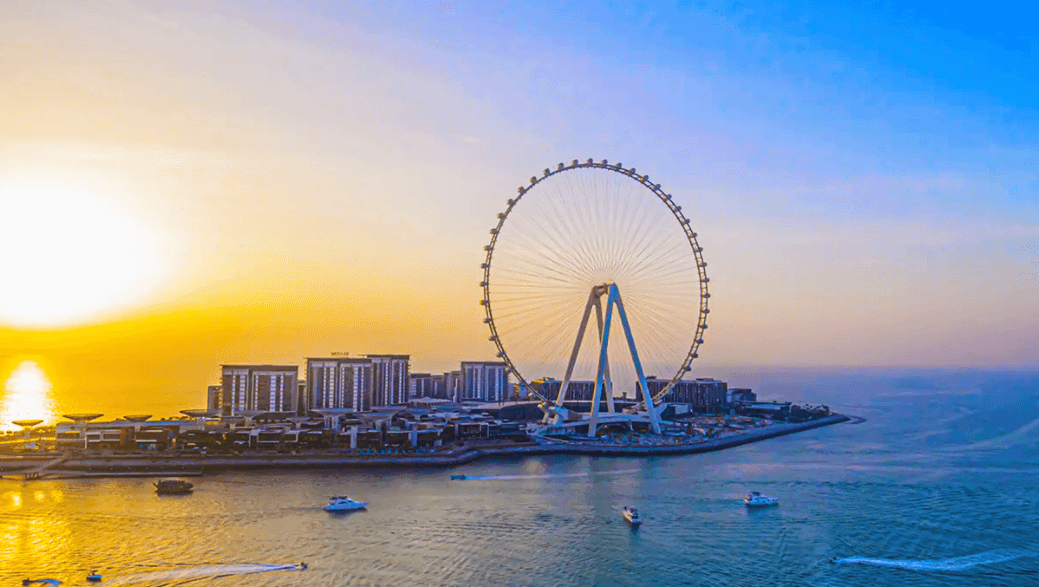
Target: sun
{"x":68,"y":257}
{"x":26,"y":396}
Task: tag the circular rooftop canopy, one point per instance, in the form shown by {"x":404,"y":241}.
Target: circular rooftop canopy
{"x":200,"y":413}
{"x":82,"y":417}
{"x":137,"y":417}
{"x":27,"y":423}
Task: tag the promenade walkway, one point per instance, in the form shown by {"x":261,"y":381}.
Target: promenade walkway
{"x":36,"y":472}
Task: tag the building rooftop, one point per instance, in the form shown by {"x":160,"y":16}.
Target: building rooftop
{"x":262,"y":367}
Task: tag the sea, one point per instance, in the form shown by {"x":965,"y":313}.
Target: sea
{"x":932,"y":483}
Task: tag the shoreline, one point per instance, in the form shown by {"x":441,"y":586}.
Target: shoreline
{"x":78,"y":466}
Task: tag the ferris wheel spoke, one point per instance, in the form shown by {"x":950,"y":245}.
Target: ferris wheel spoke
{"x":562,"y":271}
{"x":565,"y":222}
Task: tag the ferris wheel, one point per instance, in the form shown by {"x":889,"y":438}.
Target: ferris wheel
{"x":562,"y":254}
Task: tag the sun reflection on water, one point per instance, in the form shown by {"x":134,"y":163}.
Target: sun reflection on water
{"x":31,"y":536}
{"x":27,"y":396}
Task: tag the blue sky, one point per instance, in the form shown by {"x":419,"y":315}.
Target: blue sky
{"x":802,"y":91}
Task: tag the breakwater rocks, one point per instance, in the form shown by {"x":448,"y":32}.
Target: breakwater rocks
{"x":121,"y":465}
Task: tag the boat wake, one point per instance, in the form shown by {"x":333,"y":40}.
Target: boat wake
{"x":546,"y":476}
{"x":960,"y":563}
{"x":185,"y":574}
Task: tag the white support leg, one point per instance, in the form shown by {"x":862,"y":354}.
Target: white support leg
{"x":615,"y":297}
{"x":609,"y":380}
{"x":600,"y":375}
{"x":593,"y":299}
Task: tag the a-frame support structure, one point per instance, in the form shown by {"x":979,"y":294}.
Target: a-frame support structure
{"x":603,"y":383}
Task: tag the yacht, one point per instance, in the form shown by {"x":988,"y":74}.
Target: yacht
{"x":631,"y":515}
{"x":755,"y":499}
{"x":173,"y":486}
{"x":342,"y":503}
{"x":458,"y":477}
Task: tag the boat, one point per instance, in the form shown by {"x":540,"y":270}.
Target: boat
{"x":459,"y":477}
{"x":755,"y":499}
{"x":53,"y":582}
{"x":342,"y":503}
{"x":631,"y":515}
{"x":173,"y":486}
{"x":94,"y":577}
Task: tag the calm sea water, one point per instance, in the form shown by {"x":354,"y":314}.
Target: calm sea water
{"x":936,"y":487}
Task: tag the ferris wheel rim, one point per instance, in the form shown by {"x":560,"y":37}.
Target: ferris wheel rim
{"x":676,"y":211}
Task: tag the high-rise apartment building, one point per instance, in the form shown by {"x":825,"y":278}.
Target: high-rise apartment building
{"x":453,"y":385}
{"x":576,"y":391}
{"x":486,"y":381}
{"x":427,"y":385}
{"x":267,"y":388}
{"x":702,"y":394}
{"x":340,"y":382}
{"x":389,"y":379}
{"x":214,"y":398}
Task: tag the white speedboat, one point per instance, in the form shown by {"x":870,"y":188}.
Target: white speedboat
{"x":342,"y":503}
{"x":631,"y":515}
{"x":759,"y":500}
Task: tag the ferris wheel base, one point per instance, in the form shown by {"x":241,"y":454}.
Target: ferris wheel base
{"x":554,"y":424}
{"x":556,"y":413}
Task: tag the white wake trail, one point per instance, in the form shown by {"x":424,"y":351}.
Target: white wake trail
{"x":196,"y":573}
{"x":960,"y":563}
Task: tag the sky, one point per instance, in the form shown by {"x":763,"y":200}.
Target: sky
{"x":186,"y":184}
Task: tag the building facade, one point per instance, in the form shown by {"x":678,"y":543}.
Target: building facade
{"x":265,"y":388}
{"x":704,"y":395}
{"x":427,"y":385}
{"x":453,"y":385}
{"x":390,"y":380}
{"x":576,"y":391}
{"x":340,"y":382}
{"x":742,"y":395}
{"x":214,"y":398}
{"x":486,"y":381}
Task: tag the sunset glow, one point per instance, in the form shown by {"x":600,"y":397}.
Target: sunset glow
{"x":26,"y":396}
{"x":71,"y":256}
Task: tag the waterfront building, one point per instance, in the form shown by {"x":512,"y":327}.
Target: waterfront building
{"x":453,"y":385}
{"x":340,"y":383}
{"x":486,"y":381}
{"x":520,"y":391}
{"x":705,"y":395}
{"x":302,"y":398}
{"x":214,"y":398}
{"x":427,"y":385}
{"x":577,"y":391}
{"x":266,"y":388}
{"x":741,"y":395}
{"x":389,"y":379}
